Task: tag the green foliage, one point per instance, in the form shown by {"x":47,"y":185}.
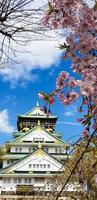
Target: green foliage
{"x":95,"y":6}
{"x":87,"y":120}
{"x":63,"y":46}
{"x":50,"y":8}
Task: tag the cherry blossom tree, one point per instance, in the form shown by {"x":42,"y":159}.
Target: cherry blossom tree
{"x":81,"y":47}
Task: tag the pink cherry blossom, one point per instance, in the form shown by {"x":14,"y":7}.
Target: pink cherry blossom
{"x":54,"y":24}
{"x":81,"y":44}
{"x":95,"y":179}
{"x":66,"y":101}
{"x":51,"y":100}
{"x":86,"y":88}
{"x":60,"y":83}
{"x":45,"y":19}
{"x":94,"y":126}
{"x":61,"y":97}
{"x":73,"y":96}
{"x":85,"y":133}
{"x":72,"y":82}
{"x":80,"y":120}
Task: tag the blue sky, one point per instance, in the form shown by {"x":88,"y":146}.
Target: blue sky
{"x":40,"y":62}
{"x":20,"y":95}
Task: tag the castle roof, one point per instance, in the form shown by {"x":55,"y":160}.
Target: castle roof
{"x":37,"y":112}
{"x":37,"y":157}
{"x":37,"y":131}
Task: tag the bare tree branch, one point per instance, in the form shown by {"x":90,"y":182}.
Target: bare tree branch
{"x":19,"y":20}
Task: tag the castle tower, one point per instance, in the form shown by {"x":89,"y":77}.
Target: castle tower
{"x":30,"y":119}
{"x":35,"y":154}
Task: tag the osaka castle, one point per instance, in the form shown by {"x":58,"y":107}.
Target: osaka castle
{"x":35,"y":153}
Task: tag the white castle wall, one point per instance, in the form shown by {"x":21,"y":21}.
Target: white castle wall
{"x":9,"y":184}
{"x":48,"y":149}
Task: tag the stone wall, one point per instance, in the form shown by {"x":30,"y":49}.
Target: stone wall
{"x":21,"y":197}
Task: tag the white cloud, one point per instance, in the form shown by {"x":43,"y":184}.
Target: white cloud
{"x":18,"y":73}
{"x":91,"y":3}
{"x":69,"y":123}
{"x":40,"y":52}
{"x":35,"y":55}
{"x":71,"y":111}
{"x":5,"y":125}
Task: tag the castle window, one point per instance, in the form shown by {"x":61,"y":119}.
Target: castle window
{"x":20,"y":149}
{"x":29,"y":180}
{"x":33,"y":148}
{"x":16,"y":149}
{"x":44,"y":166}
{"x":30,"y":149}
{"x":30,"y":165}
{"x":8,"y":180}
{"x":38,"y":139}
{"x":46,"y":149}
{"x":15,"y":180}
{"x":60,"y":150}
{"x":19,"y":180}
{"x":25,"y":180}
{"x":8,"y":162}
{"x":56,"y":150}
{"x":4,"y":180}
{"x":34,"y":166}
{"x":48,"y":166}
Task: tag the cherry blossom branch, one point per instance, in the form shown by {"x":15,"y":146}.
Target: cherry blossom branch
{"x":79,"y":159}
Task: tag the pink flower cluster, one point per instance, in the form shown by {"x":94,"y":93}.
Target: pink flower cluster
{"x":63,"y":83}
{"x":86,"y":88}
{"x":85,"y":133}
{"x":60,"y":14}
{"x":60,"y":83}
{"x":82,"y":20}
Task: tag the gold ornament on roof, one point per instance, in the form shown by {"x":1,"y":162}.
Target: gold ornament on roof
{"x":39,"y":145}
{"x":38,"y":123}
{"x":25,"y":129}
